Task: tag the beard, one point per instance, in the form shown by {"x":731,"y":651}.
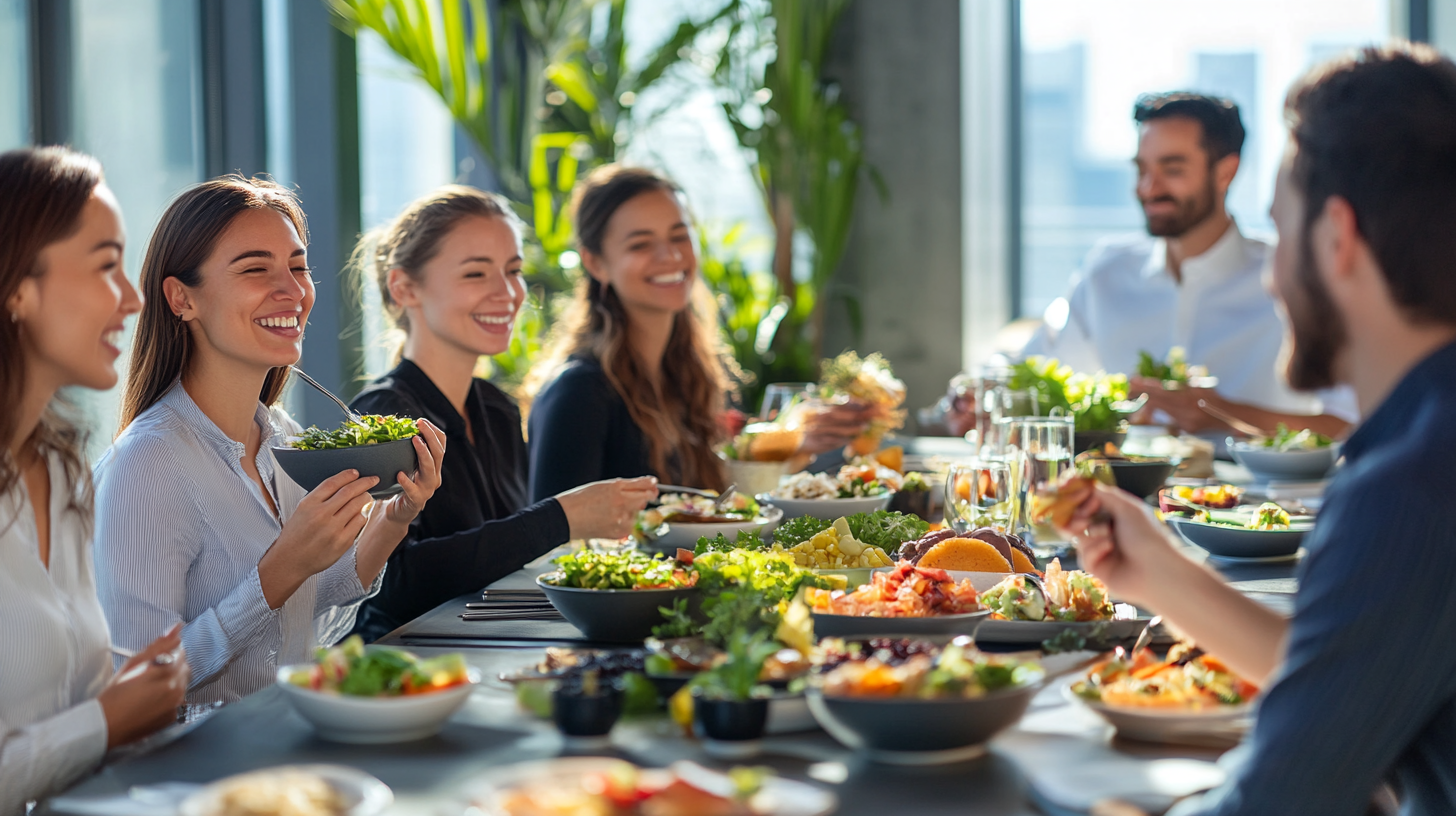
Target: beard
{"x":1190,"y":212}
{"x":1314,"y":330}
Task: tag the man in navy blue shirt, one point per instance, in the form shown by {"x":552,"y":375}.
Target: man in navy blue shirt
{"x":1361,"y":683}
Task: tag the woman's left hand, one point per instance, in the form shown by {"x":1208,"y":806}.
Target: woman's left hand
{"x":430,"y":448}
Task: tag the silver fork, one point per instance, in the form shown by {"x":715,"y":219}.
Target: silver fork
{"x":349,"y":412}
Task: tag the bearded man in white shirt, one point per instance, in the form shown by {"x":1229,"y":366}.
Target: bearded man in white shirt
{"x":1195,"y":282}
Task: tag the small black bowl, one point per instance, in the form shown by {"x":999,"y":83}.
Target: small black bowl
{"x":309,"y":468}
{"x":586,"y":715}
{"x":1142,"y":478}
{"x":1084,"y":441}
{"x":730,"y":720}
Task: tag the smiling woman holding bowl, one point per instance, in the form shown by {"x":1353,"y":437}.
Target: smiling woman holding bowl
{"x":195,"y":521}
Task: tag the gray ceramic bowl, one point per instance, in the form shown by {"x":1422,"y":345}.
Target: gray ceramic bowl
{"x":864,"y":626}
{"x":1142,"y":479}
{"x":1234,"y":542}
{"x":309,"y":468}
{"x":615,"y":615}
{"x":895,"y":728}
{"x":1292,"y":466}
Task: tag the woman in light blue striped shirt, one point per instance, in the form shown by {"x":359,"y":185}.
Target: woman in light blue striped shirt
{"x":194,"y":520}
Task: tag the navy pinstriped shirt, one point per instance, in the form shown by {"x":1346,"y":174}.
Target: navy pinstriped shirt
{"x":1367,"y":691}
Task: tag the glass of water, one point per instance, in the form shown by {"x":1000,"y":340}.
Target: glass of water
{"x":978,"y":494}
{"x":1039,"y":450}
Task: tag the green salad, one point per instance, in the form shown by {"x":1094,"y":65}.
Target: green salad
{"x":743,"y":590}
{"x":882,"y":528}
{"x":1173,"y":369}
{"x":379,"y":671}
{"x":1087,"y":397}
{"x":1269,"y":516}
{"x":370,"y":429}
{"x":588,"y":569}
{"x":1285,"y":439}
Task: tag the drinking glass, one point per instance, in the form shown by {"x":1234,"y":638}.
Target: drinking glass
{"x":1039,"y":450}
{"x":997,"y":402}
{"x":978,"y":494}
{"x":779,"y":397}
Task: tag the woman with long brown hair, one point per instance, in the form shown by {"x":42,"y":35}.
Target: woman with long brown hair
{"x":195,"y":522}
{"x":449,"y":275}
{"x":634,"y":382}
{"x":66,"y":299}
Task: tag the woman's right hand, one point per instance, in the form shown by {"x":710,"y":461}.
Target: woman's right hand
{"x":316,"y":536}
{"x":143,"y":696}
{"x":606,"y":509}
{"x":1125,"y":545}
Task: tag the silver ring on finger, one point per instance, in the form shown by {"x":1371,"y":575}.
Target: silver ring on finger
{"x":165,"y":659}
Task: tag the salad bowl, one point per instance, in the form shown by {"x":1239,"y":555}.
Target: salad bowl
{"x":908,"y":731}
{"x":1220,"y":726}
{"x":386,"y":460}
{"x":1269,"y":464}
{"x":359,"y":794}
{"x":1225,"y":541}
{"x":673,"y":535}
{"x":615,"y":615}
{"x":372,"y":720}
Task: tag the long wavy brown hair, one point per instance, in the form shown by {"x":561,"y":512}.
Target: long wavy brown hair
{"x":46,"y":190}
{"x":679,"y":412}
{"x":184,"y":238}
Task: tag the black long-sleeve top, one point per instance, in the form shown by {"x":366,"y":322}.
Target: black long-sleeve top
{"x":581,"y":432}
{"x":477,"y":528}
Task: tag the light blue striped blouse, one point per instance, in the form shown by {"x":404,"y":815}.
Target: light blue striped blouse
{"x":180,"y":528}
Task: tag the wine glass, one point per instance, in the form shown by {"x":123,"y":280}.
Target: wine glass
{"x":780,"y":397}
{"x":978,"y":494}
{"x":1039,"y":450}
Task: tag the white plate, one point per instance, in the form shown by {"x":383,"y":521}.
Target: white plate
{"x":778,"y":797}
{"x":363,"y":795}
{"x":672,"y":535}
{"x":1214,"y":726}
{"x":369,"y":720}
{"x":828,"y":509}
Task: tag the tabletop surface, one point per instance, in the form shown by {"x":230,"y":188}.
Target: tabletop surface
{"x":1058,"y":759}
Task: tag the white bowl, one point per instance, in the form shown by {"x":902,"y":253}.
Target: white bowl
{"x":362,"y":794}
{"x":367,"y":720}
{"x":1269,"y":465}
{"x":828,"y":509}
{"x":673,"y":535}
{"x":1209,"y":726}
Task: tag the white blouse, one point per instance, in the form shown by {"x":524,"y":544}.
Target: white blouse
{"x":56,"y":656}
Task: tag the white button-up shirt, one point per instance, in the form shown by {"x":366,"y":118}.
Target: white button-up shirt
{"x":56,"y":656}
{"x":1126,"y":300}
{"x":180,"y":528}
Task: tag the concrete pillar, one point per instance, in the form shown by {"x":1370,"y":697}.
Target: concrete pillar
{"x":900,"y":71}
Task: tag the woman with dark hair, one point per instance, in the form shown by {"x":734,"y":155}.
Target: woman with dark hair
{"x":634,"y":382}
{"x":66,"y":299}
{"x":195,"y":522}
{"x":449,"y":275}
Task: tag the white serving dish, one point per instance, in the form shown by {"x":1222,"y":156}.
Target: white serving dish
{"x":828,"y":509}
{"x":368,"y":720}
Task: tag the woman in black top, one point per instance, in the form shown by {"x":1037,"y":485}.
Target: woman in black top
{"x":449,"y":272}
{"x":634,"y":383}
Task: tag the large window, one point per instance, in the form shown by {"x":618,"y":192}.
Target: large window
{"x":14,"y":78}
{"x":136,"y":105}
{"x":1082,"y":66}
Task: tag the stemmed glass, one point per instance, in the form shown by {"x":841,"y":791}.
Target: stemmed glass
{"x":978,"y":494}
